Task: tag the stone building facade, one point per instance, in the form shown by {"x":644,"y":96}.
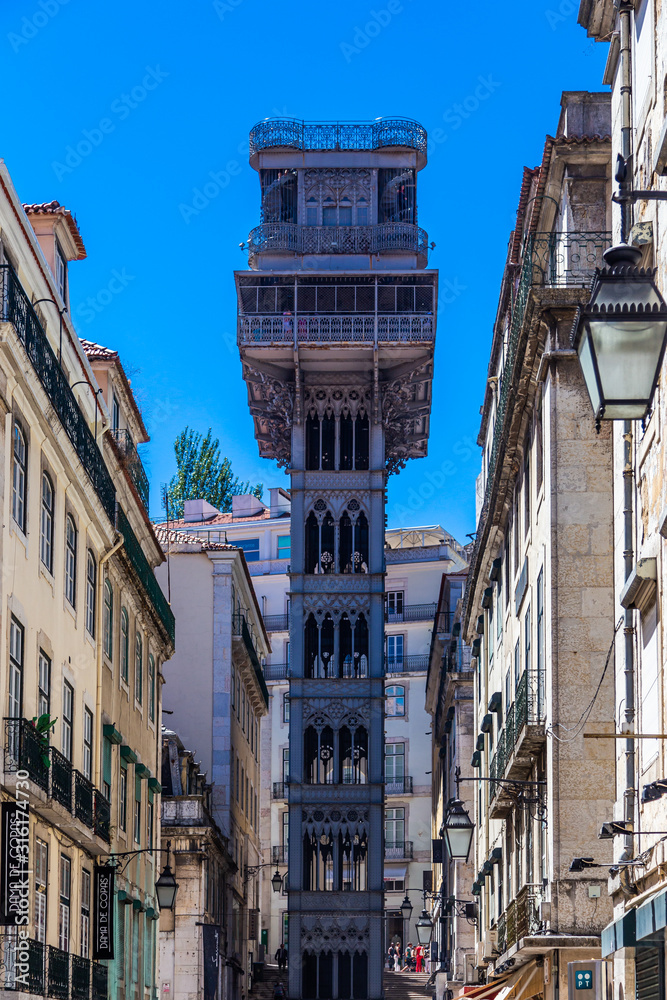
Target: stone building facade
{"x":85,"y":627}
{"x":538,"y":611}
{"x":337,"y":262}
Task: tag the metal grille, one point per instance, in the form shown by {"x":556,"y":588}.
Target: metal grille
{"x":132,"y":463}
{"x":416,"y":662}
{"x":145,"y":573}
{"x":102,"y":817}
{"x":276,"y":671}
{"x":83,"y":799}
{"x":80,"y":978}
{"x":240,"y":627}
{"x":276,"y":623}
{"x":411,"y":613}
{"x":15,"y":307}
{"x":567,"y":258}
{"x":58,"y":973}
{"x":61,"y":779}
{"x":398,"y":849}
{"x":286,"y":237}
{"x":398,"y":786}
{"x":289,"y":133}
{"x":335,"y":328}
{"x":100,"y":981}
{"x":25,"y":751}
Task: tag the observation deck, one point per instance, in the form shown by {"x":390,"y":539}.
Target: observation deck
{"x":381,"y":134}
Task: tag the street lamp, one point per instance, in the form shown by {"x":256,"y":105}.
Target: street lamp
{"x":424,"y":928}
{"x":620,"y":336}
{"x":277,"y":881}
{"x":406,"y":908}
{"x":166,"y":888}
{"x":458,"y":829}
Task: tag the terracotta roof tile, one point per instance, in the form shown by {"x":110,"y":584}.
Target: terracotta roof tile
{"x":170,"y":537}
{"x":55,"y":208}
{"x":227,"y":518}
{"x":93,"y":350}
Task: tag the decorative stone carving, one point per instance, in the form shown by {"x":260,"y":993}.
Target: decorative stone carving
{"x":271,"y":403}
{"x":346,"y":583}
{"x":406,"y":406}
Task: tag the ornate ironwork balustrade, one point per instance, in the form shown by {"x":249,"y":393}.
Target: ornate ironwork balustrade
{"x":102,"y":817}
{"x":279,"y":854}
{"x":410,"y":613}
{"x":527,"y":910}
{"x":415,"y":662}
{"x":80,"y":978}
{"x":563,"y":259}
{"x":100,"y":982}
{"x":501,"y":928}
{"x":276,"y":623}
{"x":398,"y":849}
{"x":291,"y":133}
{"x":348,"y":328}
{"x":276,"y":671}
{"x":25,"y":751}
{"x":61,"y":779}
{"x":84,"y":792}
{"x":58,"y":969}
{"x":511,"y":924}
{"x":15,"y":308}
{"x":240,"y":627}
{"x":280,"y":789}
{"x":132,"y":463}
{"x":287,"y":237}
{"x":145,"y":573}
{"x":398,"y":786}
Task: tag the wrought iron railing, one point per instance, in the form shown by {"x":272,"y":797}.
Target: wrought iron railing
{"x":510,"y":729}
{"x":15,"y":308}
{"x":527,"y":910}
{"x":25,"y":750}
{"x":442,"y":622}
{"x":410,"y":613}
{"x":279,"y":854}
{"x":276,"y":623}
{"x":511,"y":924}
{"x":102,"y":817}
{"x":133,"y":463}
{"x":415,"y":662}
{"x":335,"y":327}
{"x":84,"y":792}
{"x":568,"y":259}
{"x":276,"y":671}
{"x":280,"y":789}
{"x":293,"y":238}
{"x":58,"y":973}
{"x":458,"y":659}
{"x":80,"y":978}
{"x":501,"y":929}
{"x":240,"y":627}
{"x":100,"y":982}
{"x":398,"y":849}
{"x":145,"y":573}
{"x":14,"y":977}
{"x":61,"y":779}
{"x":290,"y":133}
{"x":398,"y":786}
{"x":529,"y":702}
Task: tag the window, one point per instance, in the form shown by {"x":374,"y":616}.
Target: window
{"x":122,"y":799}
{"x":539,"y":448}
{"x":395,"y":700}
{"x":243,"y":710}
{"x":41,"y":882}
{"x":392,"y":884}
{"x":517,"y":664}
{"x":285,"y":708}
{"x":61,"y":271}
{"x":285,"y":833}
{"x":124,"y":645}
{"x":540,"y":644}
{"x":250,"y":548}
{"x":150,"y":812}
{"x":137,"y":809}
{"x":65,"y":901}
{"x":91,"y":582}
{"x":151,"y":688}
{"x":394,"y":762}
{"x":87,"y":744}
{"x":138,"y":668}
{"x":19,"y":476}
{"x":68,"y":712}
{"x":526,"y":489}
{"x":115,"y":413}
{"x":395,"y":653}
{"x":286,"y":765}
{"x":43,"y":684}
{"x":106,"y":768}
{"x":526,"y":641}
{"x":46,"y":524}
{"x":394,"y":606}
{"x":233,"y":688}
{"x":85,"y":913}
{"x":394,"y":827}
{"x":284,"y":546}
{"x":70,"y":560}
{"x":108,"y":619}
{"x":16,"y":637}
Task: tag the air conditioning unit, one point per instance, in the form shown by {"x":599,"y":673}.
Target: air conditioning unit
{"x":490,"y":943}
{"x":479,"y":954}
{"x":492,"y":936}
{"x":470,"y":969}
{"x":545,"y":911}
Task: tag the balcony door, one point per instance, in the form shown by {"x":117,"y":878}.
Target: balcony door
{"x":394,"y":827}
{"x":395,"y":653}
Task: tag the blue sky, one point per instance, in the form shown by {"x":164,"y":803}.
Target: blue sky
{"x":124,"y":111}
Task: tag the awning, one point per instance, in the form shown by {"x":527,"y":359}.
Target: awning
{"x":496,"y":990}
{"x":519,"y":985}
{"x":395,"y":873}
{"x":531,"y":983}
{"x":652,"y":915}
{"x":618,"y":934}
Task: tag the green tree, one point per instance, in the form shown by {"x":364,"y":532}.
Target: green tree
{"x":202,"y":474}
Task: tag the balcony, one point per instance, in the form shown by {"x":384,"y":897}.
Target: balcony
{"x":61,"y":779}
{"x":280,"y":789}
{"x":415,"y":663}
{"x":132,"y":463}
{"x":241,"y":628}
{"x":387,"y":237}
{"x":410,"y":613}
{"x":57,"y":963}
{"x":276,"y":671}
{"x":80,"y":978}
{"x":398,"y":786}
{"x":26,"y":751}
{"x":100,"y":982}
{"x":102,"y":817}
{"x":336,"y":328}
{"x":520,"y":919}
{"x":276,"y":623}
{"x":34,"y":982}
{"x":145,"y":573}
{"x":84,"y":794}
{"x":15,"y":308}
{"x":383,"y":133}
{"x":398,"y":850}
{"x":279,"y":854}
{"x":567,"y":259}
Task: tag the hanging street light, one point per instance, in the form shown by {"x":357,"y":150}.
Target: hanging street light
{"x":406,"y":908}
{"x":424,"y":928}
{"x":620,"y":336}
{"x":277,"y":880}
{"x":166,"y":888}
{"x":458,"y":829}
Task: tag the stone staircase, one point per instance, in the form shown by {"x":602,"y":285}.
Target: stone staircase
{"x":406,"y":985}
{"x":264,"y":990}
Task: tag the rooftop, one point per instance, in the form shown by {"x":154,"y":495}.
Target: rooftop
{"x":293,"y":133}
{"x":55,"y":208}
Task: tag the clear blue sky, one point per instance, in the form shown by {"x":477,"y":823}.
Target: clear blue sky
{"x":167,"y":93}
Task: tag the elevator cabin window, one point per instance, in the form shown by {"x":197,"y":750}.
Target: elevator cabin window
{"x":337,"y":443}
{"x":396,"y":195}
{"x":279,"y":195}
{"x":336,"y":649}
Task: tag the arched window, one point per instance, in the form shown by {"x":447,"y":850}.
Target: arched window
{"x":124,"y":645}
{"x":108,"y":619}
{"x":394,"y":700}
{"x":320,"y":543}
{"x":353,"y":647}
{"x":353,"y":557}
{"x":151,"y":688}
{"x":46,"y":523}
{"x":70,"y":560}
{"x":91,"y":586}
{"x":319,"y":647}
{"x":341,"y":442}
{"x":19,"y":476}
{"x":138,"y":668}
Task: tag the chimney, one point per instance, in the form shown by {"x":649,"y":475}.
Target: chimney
{"x":199,"y":510}
{"x":280,"y":502}
{"x":247,"y":505}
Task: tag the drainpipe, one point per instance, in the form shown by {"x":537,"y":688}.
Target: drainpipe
{"x":625,"y":9}
{"x":100,"y":652}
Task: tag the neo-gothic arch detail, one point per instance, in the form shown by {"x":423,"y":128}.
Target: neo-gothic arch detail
{"x":336,"y":605}
{"x":322,"y":183}
{"x":337,"y":503}
{"x":334,"y":932}
{"x":336,"y":401}
{"x":333,"y":713}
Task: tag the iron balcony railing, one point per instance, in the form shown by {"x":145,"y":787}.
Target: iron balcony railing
{"x":15,"y":979}
{"x":280,"y":789}
{"x":276,"y":671}
{"x":501,"y":928}
{"x":279,"y":854}
{"x":398,"y":786}
{"x":291,"y":133}
{"x":527,"y":910}
{"x":511,"y":924}
{"x":529,"y":700}
{"x":145,"y":573}
{"x":102,"y":817}
{"x":132,"y":463}
{"x":84,"y":795}
{"x":26,"y":751}
{"x":276,"y":623}
{"x":563,"y":259}
{"x":458,"y":659}
{"x":240,"y":627}
{"x":410,"y":613}
{"x":398,"y":849}
{"x":61,"y":779}
{"x":100,"y":982}
{"x":336,"y":327}
{"x":15,"y":308}
{"x":414,"y":663}
{"x":80,"y":978}
{"x":293,"y":238}
{"x":58,"y":973}
{"x":442,"y":622}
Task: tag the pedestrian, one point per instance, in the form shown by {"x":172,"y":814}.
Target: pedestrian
{"x":408,"y":958}
{"x":390,"y":957}
{"x":279,"y":992}
{"x":397,"y":959}
{"x":420,"y":958}
{"x":281,"y":956}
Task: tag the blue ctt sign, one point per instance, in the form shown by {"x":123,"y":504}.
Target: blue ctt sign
{"x":583,"y":979}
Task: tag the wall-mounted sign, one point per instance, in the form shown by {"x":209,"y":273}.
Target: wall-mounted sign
{"x":103,"y":912}
{"x":14,"y":864}
{"x":211,"y":941}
